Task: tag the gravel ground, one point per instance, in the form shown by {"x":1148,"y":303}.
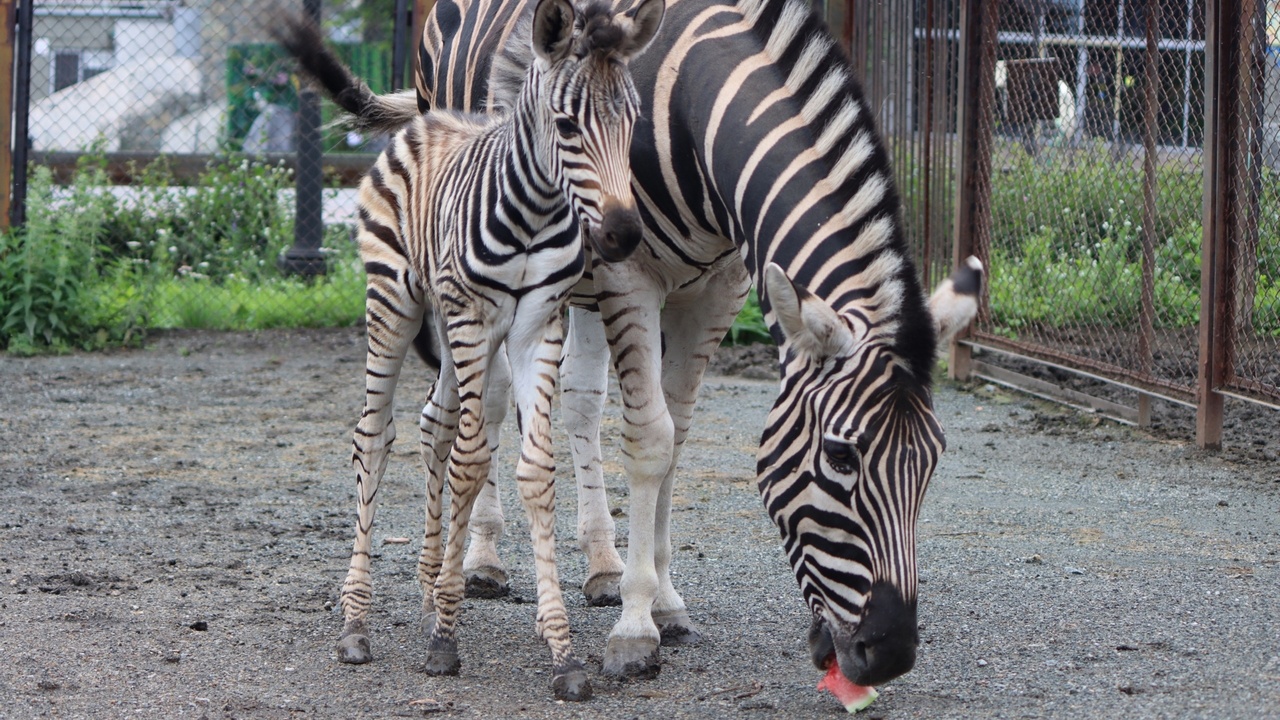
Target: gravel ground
{"x":176,"y":523}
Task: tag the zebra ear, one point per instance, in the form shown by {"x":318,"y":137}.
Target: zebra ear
{"x":641,"y":23}
{"x":553,"y":29}
{"x":955,"y":303}
{"x":809,"y":324}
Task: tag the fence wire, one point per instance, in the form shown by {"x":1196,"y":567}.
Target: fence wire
{"x":179,"y":161}
{"x":1096,"y":185}
{"x":1253,"y":299}
{"x":1085,"y":191}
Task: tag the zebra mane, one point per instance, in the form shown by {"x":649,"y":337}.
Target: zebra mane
{"x":595,"y":32}
{"x":821,"y":75}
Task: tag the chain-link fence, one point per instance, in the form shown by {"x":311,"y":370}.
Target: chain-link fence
{"x":1096,"y":186}
{"x":180,"y":174}
{"x":1131,"y":228}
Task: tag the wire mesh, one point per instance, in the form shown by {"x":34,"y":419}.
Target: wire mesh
{"x":1096,"y":188}
{"x":1253,"y":304}
{"x":906,"y":56}
{"x":225,"y":220}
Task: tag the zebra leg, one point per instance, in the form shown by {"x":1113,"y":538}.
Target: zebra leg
{"x":692,"y":329}
{"x":584,"y":374}
{"x":486,"y":576}
{"x":438,"y":425}
{"x":535,"y":367}
{"x":629,"y":309}
{"x":393,"y":320}
{"x":467,"y":471}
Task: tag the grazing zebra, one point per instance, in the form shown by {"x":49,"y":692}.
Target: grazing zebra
{"x":757,"y":160}
{"x":480,"y":218}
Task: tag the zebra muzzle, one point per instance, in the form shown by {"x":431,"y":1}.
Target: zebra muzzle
{"x":881,"y":648}
{"x":619,"y":232}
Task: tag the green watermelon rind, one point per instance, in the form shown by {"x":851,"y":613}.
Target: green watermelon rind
{"x":853,"y":697}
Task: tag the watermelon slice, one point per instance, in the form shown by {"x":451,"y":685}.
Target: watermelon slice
{"x":853,"y":697}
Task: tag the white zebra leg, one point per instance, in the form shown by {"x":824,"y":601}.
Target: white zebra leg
{"x":438,"y":426}
{"x":534,"y":364}
{"x":391,"y":327}
{"x":486,"y":575}
{"x":584,"y":376}
{"x":630,"y":314}
{"x":466,"y":472}
{"x":692,"y":329}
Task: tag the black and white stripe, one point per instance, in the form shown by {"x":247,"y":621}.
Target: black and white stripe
{"x":759,"y":161}
{"x":478,"y":222}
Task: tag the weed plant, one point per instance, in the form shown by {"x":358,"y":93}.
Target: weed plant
{"x":1067,"y":245}
{"x":95,"y":267}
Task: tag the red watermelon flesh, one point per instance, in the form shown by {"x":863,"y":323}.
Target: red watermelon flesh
{"x":853,"y":697}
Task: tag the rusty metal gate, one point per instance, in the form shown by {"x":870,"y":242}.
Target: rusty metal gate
{"x":1115,"y":164}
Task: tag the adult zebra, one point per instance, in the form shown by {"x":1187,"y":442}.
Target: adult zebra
{"x":758,"y":161}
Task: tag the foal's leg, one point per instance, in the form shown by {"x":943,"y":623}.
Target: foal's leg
{"x":535,"y":360}
{"x":393,"y":318}
{"x":467,"y":471}
{"x":486,"y":575}
{"x":584,"y":374}
{"x":439,"y":426}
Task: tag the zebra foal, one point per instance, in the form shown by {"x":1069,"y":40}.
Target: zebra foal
{"x":481,"y":219}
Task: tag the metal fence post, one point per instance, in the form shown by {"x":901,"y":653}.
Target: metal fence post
{"x":304,"y":256}
{"x":21,"y":113}
{"x":400,"y":40}
{"x":978,"y":23}
{"x":1222,"y":86}
{"x":1150,"y":116}
{"x":8,"y":18}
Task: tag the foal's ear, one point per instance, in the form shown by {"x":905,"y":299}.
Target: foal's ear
{"x":641,"y":23}
{"x":553,"y":29}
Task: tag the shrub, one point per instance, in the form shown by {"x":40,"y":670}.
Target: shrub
{"x":96,"y":267}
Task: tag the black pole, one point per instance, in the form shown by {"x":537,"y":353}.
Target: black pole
{"x":400,"y":43}
{"x":304,"y":256}
{"x":21,"y":112}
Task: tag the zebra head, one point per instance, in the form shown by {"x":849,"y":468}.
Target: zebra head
{"x":846,"y":456}
{"x":590,"y":106}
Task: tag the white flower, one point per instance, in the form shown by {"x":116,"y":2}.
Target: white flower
{"x":173,"y":248}
{"x":133,"y":244}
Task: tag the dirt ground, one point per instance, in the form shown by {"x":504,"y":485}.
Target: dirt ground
{"x":176,"y":522}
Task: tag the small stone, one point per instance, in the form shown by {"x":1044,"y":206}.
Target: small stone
{"x":1223,"y":503}
{"x":199,"y":626}
{"x":1073,"y":570}
{"x":1033,"y":560}
{"x":982,"y":663}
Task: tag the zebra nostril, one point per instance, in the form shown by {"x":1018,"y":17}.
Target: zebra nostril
{"x":860,"y":652}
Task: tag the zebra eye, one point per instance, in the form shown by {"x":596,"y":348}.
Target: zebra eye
{"x":841,"y":456}
{"x":566,"y":127}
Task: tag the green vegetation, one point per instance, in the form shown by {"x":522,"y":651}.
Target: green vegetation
{"x":749,"y":327}
{"x":1067,"y":245}
{"x":94,"y":268}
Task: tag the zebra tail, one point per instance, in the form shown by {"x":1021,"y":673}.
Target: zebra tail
{"x":368,"y":110}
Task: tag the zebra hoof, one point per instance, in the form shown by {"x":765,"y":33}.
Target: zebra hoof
{"x":631,"y":659}
{"x":676,"y":628}
{"x":442,"y":657}
{"x":353,"y":649}
{"x":571,"y":683}
{"x":602,"y":590}
{"x":487,"y":583}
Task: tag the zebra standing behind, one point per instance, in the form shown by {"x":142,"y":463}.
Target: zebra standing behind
{"x":481,"y":219}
